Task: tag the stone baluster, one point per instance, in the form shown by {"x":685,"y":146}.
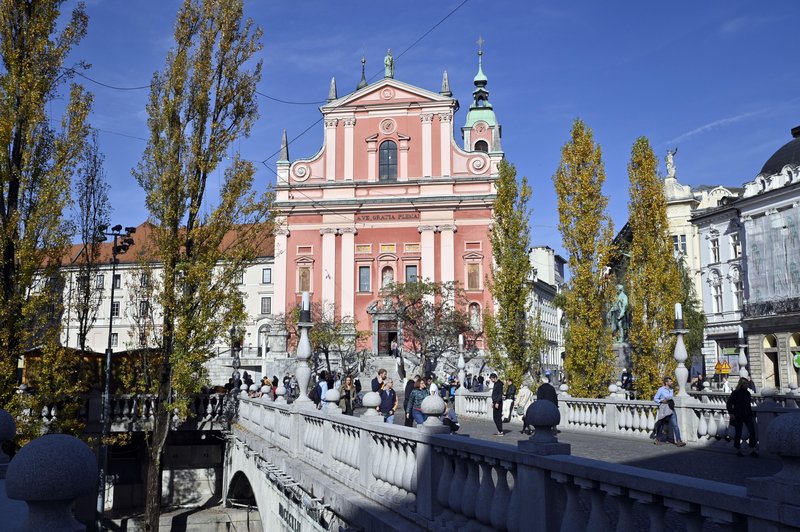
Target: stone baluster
{"x":471,"y":486}
{"x":501,"y":496}
{"x":624,"y":505}
{"x":445,"y":477}
{"x":455,"y":499}
{"x":597,"y":514}
{"x":398,"y":461}
{"x":516,"y":503}
{"x":655,"y":509}
{"x":702,"y":425}
{"x":712,"y":425}
{"x":689,"y":512}
{"x":574,"y":515}
{"x":51,"y":491}
{"x":723,"y":520}
{"x":484,"y":497}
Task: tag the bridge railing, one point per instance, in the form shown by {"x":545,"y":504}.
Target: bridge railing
{"x":703,"y":418}
{"x":442,"y":481}
{"x":134,"y":412}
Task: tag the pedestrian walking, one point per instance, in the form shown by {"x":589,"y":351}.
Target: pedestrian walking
{"x":741,"y":413}
{"x":377,"y":382}
{"x":497,"y":403}
{"x":666,"y":413}
{"x":388,"y":401}
{"x":411,"y":385}
{"x":508,"y":402}
{"x":415,"y":402}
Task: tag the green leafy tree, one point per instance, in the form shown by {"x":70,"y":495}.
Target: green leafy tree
{"x":507,"y":329}
{"x":653,"y":278}
{"x":331,"y":336}
{"x":586,"y":233}
{"x":36,"y":164}
{"x":431,"y":317}
{"x":200,"y":104}
{"x":694,"y":318}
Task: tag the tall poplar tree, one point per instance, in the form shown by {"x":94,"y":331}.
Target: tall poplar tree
{"x":37,"y":158}
{"x":510,"y":338}
{"x":653,"y":279}
{"x":586,"y":232}
{"x":200,"y":104}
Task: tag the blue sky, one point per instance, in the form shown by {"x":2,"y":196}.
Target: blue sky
{"x":715,"y":79}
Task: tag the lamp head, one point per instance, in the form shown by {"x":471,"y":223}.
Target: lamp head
{"x":117,"y":228}
{"x":130,"y":230}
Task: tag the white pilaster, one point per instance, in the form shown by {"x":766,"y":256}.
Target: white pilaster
{"x":428,"y":251}
{"x":445,"y":129}
{"x":328,"y":267}
{"x":372,"y":158}
{"x":279,"y":274}
{"x":447,"y":261}
{"x":348,"y":288}
{"x":330,"y":148}
{"x":349,"y":125}
{"x":427,"y":159}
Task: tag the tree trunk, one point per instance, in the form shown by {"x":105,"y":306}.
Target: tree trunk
{"x":161,"y":424}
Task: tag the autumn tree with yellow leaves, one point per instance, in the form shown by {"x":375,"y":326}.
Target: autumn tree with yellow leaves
{"x":200,"y":104}
{"x":653,"y":278}
{"x":586,"y":232}
{"x":39,"y":156}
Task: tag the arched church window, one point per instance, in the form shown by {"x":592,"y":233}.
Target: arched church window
{"x":388,"y":161}
{"x":482,"y":145}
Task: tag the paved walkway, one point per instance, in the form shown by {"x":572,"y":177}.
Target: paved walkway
{"x":710,"y":462}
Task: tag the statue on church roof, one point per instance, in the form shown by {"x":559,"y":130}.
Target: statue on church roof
{"x":670,"y":159}
{"x":388,"y":63}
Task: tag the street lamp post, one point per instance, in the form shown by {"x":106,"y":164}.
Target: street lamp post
{"x":118,"y":248}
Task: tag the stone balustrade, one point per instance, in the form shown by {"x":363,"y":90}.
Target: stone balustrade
{"x":703,"y":418}
{"x":442,"y":482}
{"x":135,"y":412}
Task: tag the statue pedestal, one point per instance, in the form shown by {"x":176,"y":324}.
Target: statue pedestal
{"x":622,"y":352}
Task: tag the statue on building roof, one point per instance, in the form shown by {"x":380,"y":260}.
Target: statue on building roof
{"x":388,"y":63}
{"x":670,"y":159}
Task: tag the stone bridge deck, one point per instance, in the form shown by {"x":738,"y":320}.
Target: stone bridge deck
{"x":704,"y":461}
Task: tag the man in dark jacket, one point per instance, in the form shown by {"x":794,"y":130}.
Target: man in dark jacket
{"x":497,"y":403}
{"x":508,"y":404}
{"x":547,"y":392}
{"x":742,"y":414}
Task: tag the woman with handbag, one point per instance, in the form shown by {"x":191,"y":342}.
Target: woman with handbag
{"x":524,"y":400}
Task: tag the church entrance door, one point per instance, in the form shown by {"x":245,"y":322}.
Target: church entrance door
{"x":387,"y":332}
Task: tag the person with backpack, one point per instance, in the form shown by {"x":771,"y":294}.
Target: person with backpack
{"x":317,"y":393}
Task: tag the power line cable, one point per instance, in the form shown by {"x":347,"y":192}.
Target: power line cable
{"x":459,"y":6}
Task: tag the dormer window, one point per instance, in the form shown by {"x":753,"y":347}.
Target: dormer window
{"x":388,"y":161}
{"x":482,"y":145}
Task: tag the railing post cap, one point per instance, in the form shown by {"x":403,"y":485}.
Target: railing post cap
{"x":332,"y":396}
{"x":371,"y":400}
{"x":55,"y":467}
{"x":783,"y":435}
{"x":543,"y":414}
{"x":433,"y":405}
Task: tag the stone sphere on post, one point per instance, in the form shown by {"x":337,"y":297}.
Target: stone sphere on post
{"x":332,"y":401}
{"x":49,"y":473}
{"x":371,"y":400}
{"x":543,"y":416}
{"x":433,"y":406}
{"x":266,"y":394}
{"x":280,"y":393}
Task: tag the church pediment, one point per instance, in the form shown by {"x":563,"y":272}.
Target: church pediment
{"x":386,"y":91}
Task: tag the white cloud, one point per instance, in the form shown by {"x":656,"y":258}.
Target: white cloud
{"x":716,"y":124}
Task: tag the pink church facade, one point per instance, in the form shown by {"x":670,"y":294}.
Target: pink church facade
{"x":390,"y":196}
